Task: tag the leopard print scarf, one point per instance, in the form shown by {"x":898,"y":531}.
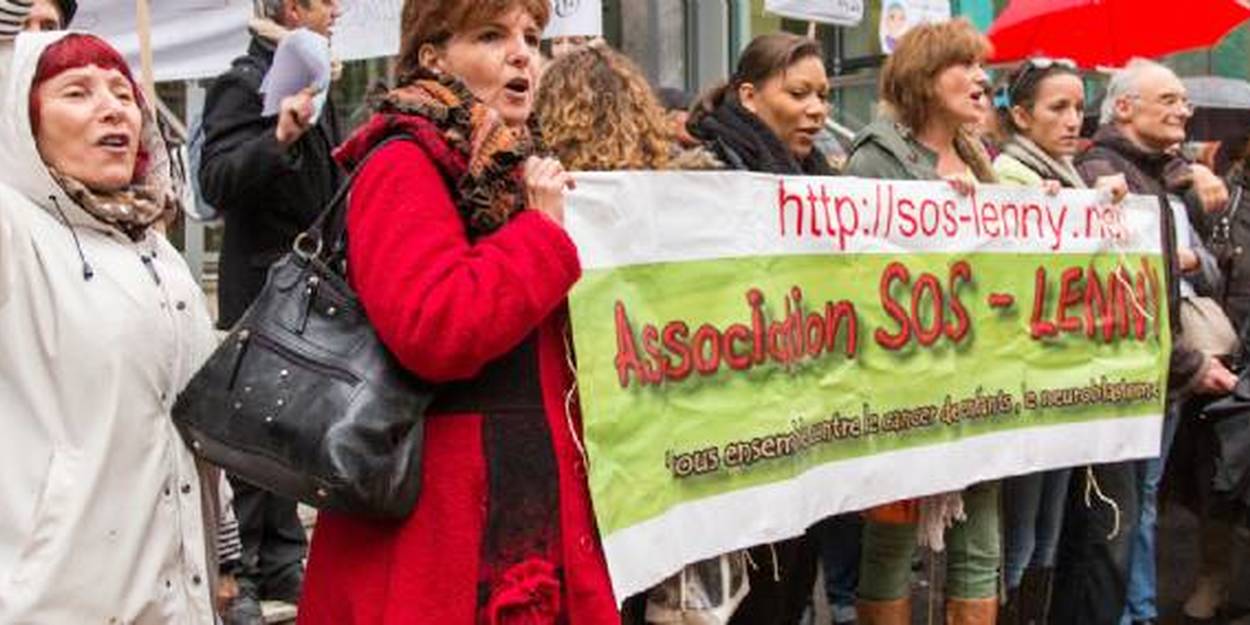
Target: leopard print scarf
{"x":131,"y":210}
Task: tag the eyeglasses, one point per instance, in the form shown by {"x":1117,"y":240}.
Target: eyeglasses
{"x":1171,"y":101}
{"x":1032,"y":71}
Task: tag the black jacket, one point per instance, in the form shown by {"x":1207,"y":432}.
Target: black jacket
{"x":268,"y":194}
{"x":1231,"y":229}
{"x":1154,"y":174}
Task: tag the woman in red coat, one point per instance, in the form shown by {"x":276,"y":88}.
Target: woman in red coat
{"x":457,"y":250}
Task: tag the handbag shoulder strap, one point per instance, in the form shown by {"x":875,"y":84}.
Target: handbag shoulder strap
{"x":1222,"y":232}
{"x":1235,"y":202}
{"x":311,"y":242}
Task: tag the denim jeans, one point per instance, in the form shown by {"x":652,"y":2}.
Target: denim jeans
{"x":839,"y":538}
{"x":972,"y":552}
{"x":1142,"y":582}
{"x":1032,"y":517}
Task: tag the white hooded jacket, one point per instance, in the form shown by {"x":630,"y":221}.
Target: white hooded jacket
{"x":100,"y":504}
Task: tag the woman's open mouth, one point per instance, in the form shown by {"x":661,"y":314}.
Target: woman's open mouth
{"x":517,"y":88}
{"x":114,"y":142}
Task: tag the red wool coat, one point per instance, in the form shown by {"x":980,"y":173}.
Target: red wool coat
{"x":488,"y":313}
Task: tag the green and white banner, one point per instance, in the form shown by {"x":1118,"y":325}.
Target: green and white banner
{"x":757,"y":352}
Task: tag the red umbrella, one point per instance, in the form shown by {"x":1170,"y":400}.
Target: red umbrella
{"x":1110,"y":32}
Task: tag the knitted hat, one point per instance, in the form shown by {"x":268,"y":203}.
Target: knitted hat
{"x":68,"y":9}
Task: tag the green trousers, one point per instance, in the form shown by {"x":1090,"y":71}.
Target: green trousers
{"x":972,"y":552}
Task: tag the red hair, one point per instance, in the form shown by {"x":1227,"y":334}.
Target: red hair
{"x":79,"y":50}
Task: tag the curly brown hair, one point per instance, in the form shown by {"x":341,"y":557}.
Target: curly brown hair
{"x":435,"y":21}
{"x":597,"y":113}
{"x":909,"y":78}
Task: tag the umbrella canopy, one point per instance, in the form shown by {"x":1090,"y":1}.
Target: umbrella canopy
{"x":1110,"y":32}
{"x":1221,"y":108}
{"x":1218,"y":92}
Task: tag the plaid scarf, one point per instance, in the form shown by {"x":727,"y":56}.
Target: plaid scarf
{"x":471,"y":146}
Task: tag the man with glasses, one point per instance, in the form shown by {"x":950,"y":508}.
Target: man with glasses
{"x":1101,"y":570}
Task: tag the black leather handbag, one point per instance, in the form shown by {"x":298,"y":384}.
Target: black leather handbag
{"x":302,"y":399}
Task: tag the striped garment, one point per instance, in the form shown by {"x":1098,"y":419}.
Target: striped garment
{"x":12,"y":14}
{"x":229,"y":544}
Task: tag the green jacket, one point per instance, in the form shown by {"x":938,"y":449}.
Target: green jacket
{"x":886,"y":149}
{"x":1011,"y":171}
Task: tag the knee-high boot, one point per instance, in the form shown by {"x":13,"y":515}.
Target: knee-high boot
{"x":971,"y":611}
{"x":892,"y":612}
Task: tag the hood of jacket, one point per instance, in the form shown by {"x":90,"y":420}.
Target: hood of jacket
{"x":21,"y":166}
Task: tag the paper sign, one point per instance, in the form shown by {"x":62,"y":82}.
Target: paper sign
{"x":837,"y":12}
{"x":575,"y":18}
{"x":899,"y":16}
{"x":302,"y":60}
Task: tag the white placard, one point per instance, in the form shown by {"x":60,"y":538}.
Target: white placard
{"x":575,"y":18}
{"x":198,"y":38}
{"x":837,"y":12}
{"x":368,"y":29}
{"x":899,"y":16}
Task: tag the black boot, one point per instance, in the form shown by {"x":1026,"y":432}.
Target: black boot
{"x":245,"y":608}
{"x":1009,"y":612}
{"x":1034,"y":596}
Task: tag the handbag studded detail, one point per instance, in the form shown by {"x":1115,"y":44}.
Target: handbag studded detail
{"x":302,"y":399}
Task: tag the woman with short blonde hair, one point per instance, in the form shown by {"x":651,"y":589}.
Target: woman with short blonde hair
{"x":934,"y":90}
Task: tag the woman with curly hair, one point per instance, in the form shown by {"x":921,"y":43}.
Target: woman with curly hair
{"x":457,"y":250}
{"x":598,"y":113}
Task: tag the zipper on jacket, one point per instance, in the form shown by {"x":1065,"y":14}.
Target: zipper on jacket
{"x":147,"y":262}
{"x":240,"y":349}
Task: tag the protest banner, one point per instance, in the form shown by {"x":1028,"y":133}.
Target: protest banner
{"x":836,"y":12}
{"x":755,"y":353}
